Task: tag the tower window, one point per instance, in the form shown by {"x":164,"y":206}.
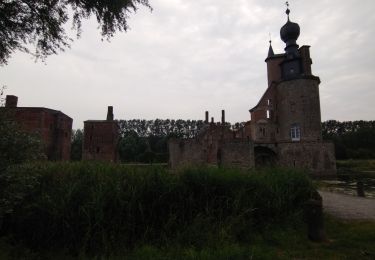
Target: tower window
{"x":268,"y":114}
{"x":295,"y":132}
{"x":262,"y":131}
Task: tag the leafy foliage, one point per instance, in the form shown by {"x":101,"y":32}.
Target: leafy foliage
{"x":76,"y":145}
{"x":17,"y":146}
{"x":2,"y":99}
{"x":161,"y":128}
{"x":146,"y":140}
{"x":352,"y":139}
{"x":99,"y":208}
{"x":41,"y":23}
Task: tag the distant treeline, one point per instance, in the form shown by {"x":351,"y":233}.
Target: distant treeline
{"x":146,"y":140}
{"x":352,"y":139}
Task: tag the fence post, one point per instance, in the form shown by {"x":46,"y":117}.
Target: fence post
{"x":315,"y":219}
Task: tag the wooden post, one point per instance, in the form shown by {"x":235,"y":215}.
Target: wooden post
{"x":315,"y":219}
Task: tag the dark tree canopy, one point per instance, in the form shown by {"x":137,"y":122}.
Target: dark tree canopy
{"x":26,"y":24}
{"x":352,"y":139}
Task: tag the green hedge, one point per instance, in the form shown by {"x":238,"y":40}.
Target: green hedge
{"x":98,"y":208}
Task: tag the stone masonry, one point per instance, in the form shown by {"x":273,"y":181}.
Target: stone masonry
{"x":285,"y":125}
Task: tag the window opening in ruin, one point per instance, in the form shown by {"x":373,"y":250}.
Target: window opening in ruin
{"x":269,"y":102}
{"x":97,"y":149}
{"x":268,"y":114}
{"x":264,"y":131}
{"x":294,"y":163}
{"x":295,"y":132}
{"x":90,"y":137}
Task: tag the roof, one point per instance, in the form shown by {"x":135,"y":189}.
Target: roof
{"x":36,"y":109}
{"x":260,"y":100}
{"x":275,"y":56}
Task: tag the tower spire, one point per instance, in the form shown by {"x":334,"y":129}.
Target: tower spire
{"x":270,"y":50}
{"x":287,"y":9}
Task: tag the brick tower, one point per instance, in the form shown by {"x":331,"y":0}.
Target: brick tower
{"x":287,"y":119}
{"x":101,"y":139}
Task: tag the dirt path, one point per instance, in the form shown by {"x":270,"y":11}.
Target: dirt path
{"x":348,"y":207}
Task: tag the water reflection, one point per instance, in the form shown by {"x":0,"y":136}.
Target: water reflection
{"x":356,"y":184}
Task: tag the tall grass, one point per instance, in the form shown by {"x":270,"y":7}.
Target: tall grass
{"x":356,"y":165}
{"x":99,"y":208}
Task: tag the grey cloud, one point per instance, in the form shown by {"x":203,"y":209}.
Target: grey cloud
{"x":190,"y":56}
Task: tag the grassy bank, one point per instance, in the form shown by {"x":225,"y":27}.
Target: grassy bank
{"x":98,"y":209}
{"x":347,"y":240}
{"x":356,"y":166}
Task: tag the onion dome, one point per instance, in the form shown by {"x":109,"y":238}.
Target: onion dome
{"x":289,"y":33}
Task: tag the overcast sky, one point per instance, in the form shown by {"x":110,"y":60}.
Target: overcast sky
{"x":187,"y":57}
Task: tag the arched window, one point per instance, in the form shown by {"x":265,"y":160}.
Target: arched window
{"x":295,"y":132}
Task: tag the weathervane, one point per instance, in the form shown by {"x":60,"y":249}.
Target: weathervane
{"x":287,"y":9}
{"x":270,"y":38}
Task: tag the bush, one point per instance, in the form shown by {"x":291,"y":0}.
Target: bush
{"x":16,"y":145}
{"x":98,"y":208}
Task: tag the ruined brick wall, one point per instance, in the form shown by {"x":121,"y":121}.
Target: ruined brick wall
{"x":319,"y":158}
{"x":53,"y":127}
{"x":216,"y":145}
{"x":298,"y":103}
{"x":64,"y":136}
{"x":100,"y":140}
{"x":211,"y":139}
{"x":237,"y":154}
{"x":189,"y":152}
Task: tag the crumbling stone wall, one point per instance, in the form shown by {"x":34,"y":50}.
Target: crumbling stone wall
{"x":100,"y":140}
{"x":237,"y":154}
{"x":318,"y":158}
{"x":186,"y":152}
{"x":215,"y":145}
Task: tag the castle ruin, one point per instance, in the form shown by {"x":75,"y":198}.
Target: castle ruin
{"x":285,"y":126}
{"x":101,"y":138}
{"x":53,"y":127}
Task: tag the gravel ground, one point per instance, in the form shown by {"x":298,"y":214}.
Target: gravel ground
{"x":348,"y":207}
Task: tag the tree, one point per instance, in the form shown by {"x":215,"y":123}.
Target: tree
{"x":2,"y":99}
{"x":16,"y":145}
{"x":25,"y":23}
{"x":352,"y":139}
{"x":76,"y":145}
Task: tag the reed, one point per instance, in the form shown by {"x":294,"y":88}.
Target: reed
{"x":96,"y":208}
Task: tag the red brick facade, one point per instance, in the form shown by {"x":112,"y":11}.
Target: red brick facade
{"x":100,"y":139}
{"x":53,"y":127}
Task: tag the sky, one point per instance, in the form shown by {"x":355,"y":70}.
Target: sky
{"x":186,"y":57}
